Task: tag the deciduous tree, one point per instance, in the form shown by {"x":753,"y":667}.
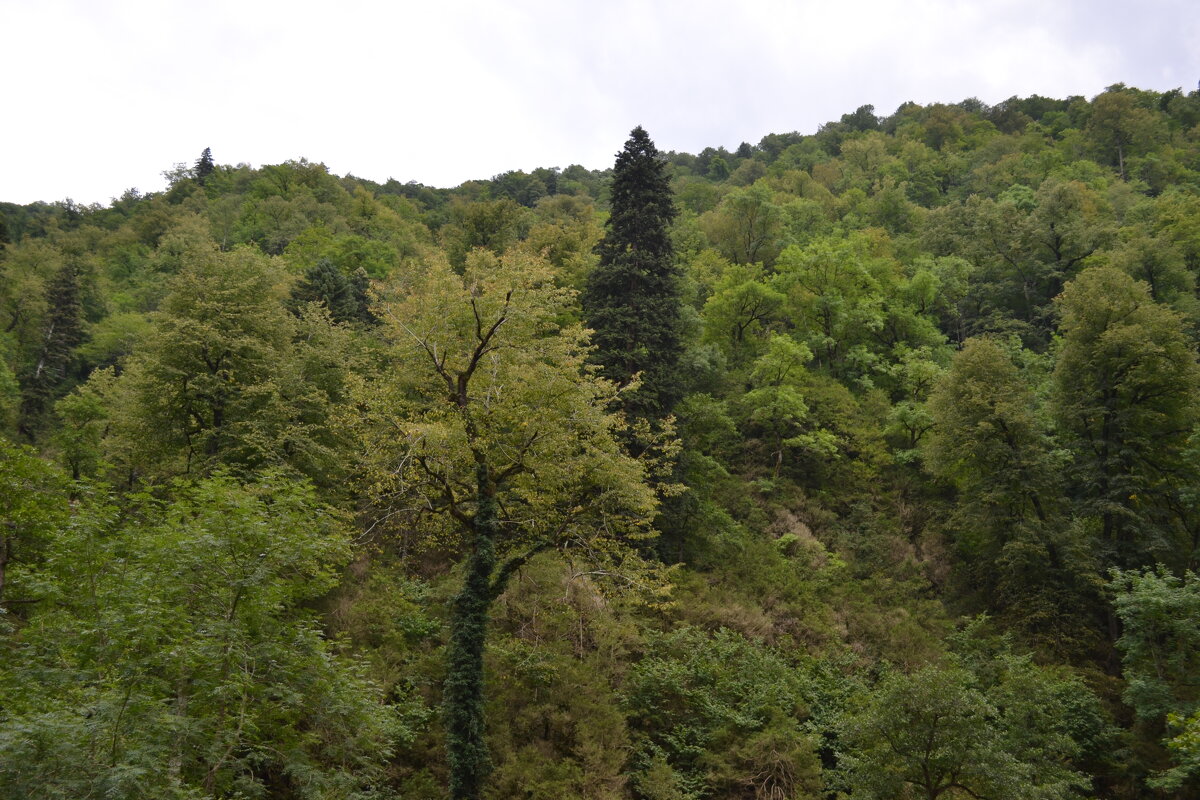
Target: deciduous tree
{"x":991,"y":440}
{"x":227,"y":377}
{"x":33,"y":504}
{"x":1126,"y":388}
{"x":492,"y":432}
{"x":171,"y":655}
{"x":942,"y":732}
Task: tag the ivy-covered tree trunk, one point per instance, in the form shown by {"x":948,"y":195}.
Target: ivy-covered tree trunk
{"x":508,"y":402}
{"x":467,"y":749}
{"x":5,"y":548}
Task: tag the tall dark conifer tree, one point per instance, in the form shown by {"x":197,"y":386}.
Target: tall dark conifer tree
{"x":62,"y":332}
{"x":204,"y":166}
{"x":345,"y":297}
{"x":632,"y":299}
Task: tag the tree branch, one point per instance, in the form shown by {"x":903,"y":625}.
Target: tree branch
{"x":484,"y":345}
{"x":447,"y":492}
{"x":513,"y":564}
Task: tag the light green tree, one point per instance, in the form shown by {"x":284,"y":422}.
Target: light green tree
{"x":171,"y":655}
{"x":227,"y":377}
{"x":740,"y":312}
{"x":10,"y":394}
{"x":835,"y":300}
{"x":1159,"y":642}
{"x":1160,"y":654}
{"x":1184,"y":745}
{"x":775,"y":406}
{"x":490,"y":431}
{"x":747,"y":226}
{"x":33,"y":504}
{"x":1120,"y":127}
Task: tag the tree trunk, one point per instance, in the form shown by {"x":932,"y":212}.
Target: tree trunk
{"x":4,"y":551}
{"x":463,"y":696}
{"x":175,"y":761}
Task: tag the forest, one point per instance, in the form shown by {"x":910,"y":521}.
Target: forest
{"x":856,"y":464}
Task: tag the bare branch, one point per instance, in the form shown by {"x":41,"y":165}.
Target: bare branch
{"x":484,"y":346}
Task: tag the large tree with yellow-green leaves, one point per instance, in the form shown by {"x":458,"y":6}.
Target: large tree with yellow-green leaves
{"x":489,"y":432}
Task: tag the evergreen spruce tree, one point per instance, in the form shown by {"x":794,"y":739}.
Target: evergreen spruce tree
{"x":344,"y":296}
{"x":204,"y":166}
{"x":62,"y":332}
{"x":632,"y":298}
{"x":324,"y":283}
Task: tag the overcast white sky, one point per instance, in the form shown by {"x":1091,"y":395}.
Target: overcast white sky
{"x":103,"y":95}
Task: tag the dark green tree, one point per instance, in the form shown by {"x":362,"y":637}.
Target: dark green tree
{"x":32,"y":507}
{"x":1125,"y":393}
{"x":62,"y":331}
{"x":1014,"y":730}
{"x":204,"y":166}
{"x":344,"y":297}
{"x":324,"y":283}
{"x":991,"y":440}
{"x":360,"y":285}
{"x":632,"y":298}
{"x":717,"y":716}
{"x":863,"y":119}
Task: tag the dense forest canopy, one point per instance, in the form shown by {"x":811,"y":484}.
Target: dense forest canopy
{"x":863,"y":464}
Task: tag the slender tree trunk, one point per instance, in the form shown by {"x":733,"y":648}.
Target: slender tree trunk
{"x":463,"y":697}
{"x":175,"y":762}
{"x":4,"y":551}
